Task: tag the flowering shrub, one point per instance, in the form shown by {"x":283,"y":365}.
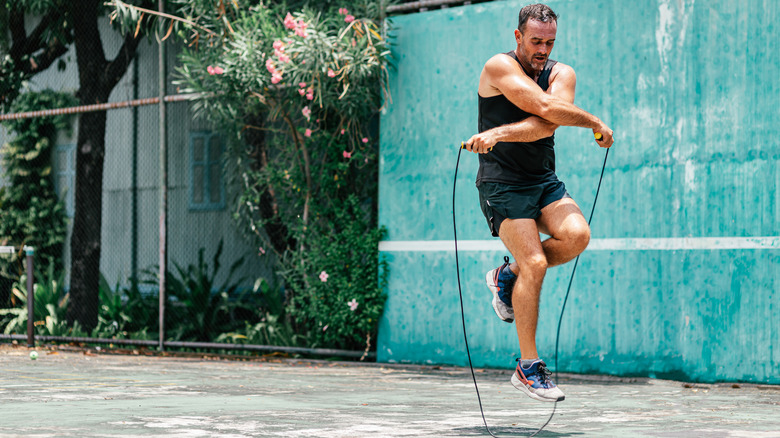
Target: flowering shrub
{"x":344,"y":299}
{"x":297,"y":92}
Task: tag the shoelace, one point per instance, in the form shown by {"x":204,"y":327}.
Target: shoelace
{"x":510,"y":284}
{"x":544,"y":374}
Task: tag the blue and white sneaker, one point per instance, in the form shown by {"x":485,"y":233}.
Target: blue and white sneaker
{"x":500,"y":281}
{"x":535,"y":382}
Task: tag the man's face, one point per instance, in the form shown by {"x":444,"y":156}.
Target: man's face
{"x":535,"y":43}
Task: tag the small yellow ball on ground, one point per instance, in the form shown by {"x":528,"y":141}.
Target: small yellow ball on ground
{"x":33,"y":355}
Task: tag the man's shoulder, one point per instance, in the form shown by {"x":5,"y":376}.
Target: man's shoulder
{"x":561,"y":67}
{"x":501,"y":59}
{"x":561,"y":70}
{"x":501,"y":63}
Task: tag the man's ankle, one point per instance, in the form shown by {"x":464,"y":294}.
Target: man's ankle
{"x":526,"y":363}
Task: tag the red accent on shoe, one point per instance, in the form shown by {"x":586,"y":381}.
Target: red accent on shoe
{"x":495,"y":279}
{"x":521,"y":377}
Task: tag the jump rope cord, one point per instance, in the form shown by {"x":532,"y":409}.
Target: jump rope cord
{"x":460,"y":295}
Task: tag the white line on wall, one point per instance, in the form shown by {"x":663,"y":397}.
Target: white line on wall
{"x":627,"y":244}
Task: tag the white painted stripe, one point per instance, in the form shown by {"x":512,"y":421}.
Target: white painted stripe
{"x":628,"y":244}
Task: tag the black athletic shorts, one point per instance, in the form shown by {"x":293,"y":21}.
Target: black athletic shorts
{"x":501,"y":201}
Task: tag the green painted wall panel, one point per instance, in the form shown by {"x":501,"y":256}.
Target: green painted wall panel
{"x":691,"y":90}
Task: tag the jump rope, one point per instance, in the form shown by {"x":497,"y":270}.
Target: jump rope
{"x":565,"y":299}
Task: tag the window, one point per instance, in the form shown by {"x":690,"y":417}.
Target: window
{"x":65,"y":175}
{"x":207,"y":189}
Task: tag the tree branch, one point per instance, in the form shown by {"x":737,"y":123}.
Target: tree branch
{"x":18,"y":34}
{"x":118,"y":66}
{"x":23,"y":45}
{"x":35,"y":40}
{"x":161,"y":15}
{"x":44,"y":60}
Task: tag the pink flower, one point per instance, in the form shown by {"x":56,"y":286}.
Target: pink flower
{"x":300,"y":28}
{"x":353,"y":304}
{"x":301,"y":91}
{"x":307,"y":133}
{"x":347,"y":154}
{"x":269,"y":64}
{"x":284,"y":58}
{"x":325,"y":328}
{"x":260,"y":251}
{"x":289,"y":21}
{"x":343,"y":11}
{"x":331,"y":73}
{"x":342,"y":132}
{"x":276,"y":78}
{"x":349,"y":19}
{"x":306,"y":112}
{"x":365,"y":140}
{"x":302,"y":84}
{"x":278,"y":45}
{"x":215,"y":70}
{"x":310,"y":94}
{"x":323,"y":276}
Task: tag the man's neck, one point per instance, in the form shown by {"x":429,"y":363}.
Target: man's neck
{"x":527,"y":69}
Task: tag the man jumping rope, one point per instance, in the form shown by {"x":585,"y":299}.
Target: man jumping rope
{"x":523,"y":97}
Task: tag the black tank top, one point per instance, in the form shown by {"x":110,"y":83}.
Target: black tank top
{"x":514,"y":162}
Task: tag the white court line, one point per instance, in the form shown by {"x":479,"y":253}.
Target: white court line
{"x":628,"y":244}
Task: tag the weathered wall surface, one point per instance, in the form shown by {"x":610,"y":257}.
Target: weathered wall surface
{"x":682,"y":275}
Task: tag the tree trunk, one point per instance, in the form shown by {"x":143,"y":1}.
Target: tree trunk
{"x":97,"y":77}
{"x":85,"y":242}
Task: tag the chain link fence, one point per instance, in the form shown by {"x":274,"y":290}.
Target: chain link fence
{"x":114,"y":228}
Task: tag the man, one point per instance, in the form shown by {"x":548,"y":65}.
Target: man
{"x":523,"y":97}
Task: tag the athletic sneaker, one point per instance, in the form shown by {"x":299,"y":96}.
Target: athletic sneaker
{"x":500,"y":281}
{"x":535,"y":382}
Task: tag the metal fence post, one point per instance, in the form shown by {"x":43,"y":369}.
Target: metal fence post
{"x":30,"y":297}
{"x":163,"y":207}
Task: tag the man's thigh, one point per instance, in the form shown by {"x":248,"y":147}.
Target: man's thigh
{"x":561,"y":216}
{"x":521,"y":237}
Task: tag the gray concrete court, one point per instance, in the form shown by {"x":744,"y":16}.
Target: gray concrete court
{"x":73,"y":393}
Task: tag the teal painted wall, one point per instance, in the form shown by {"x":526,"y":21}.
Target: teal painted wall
{"x":691,"y":90}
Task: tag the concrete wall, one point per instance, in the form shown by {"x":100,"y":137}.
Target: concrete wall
{"x":682,"y":275}
{"x":188,"y":230}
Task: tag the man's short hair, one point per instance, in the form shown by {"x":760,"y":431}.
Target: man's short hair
{"x":539,"y":12}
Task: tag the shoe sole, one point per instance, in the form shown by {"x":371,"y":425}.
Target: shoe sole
{"x":494,"y":291}
{"x":521,"y":386}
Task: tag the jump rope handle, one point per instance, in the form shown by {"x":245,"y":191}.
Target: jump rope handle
{"x":463,"y":146}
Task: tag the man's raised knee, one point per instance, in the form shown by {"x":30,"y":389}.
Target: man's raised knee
{"x":580,"y":237}
{"x":535,"y":265}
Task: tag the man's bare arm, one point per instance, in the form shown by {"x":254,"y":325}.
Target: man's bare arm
{"x":562,"y":85}
{"x":527,"y":130}
{"x":502,"y":74}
